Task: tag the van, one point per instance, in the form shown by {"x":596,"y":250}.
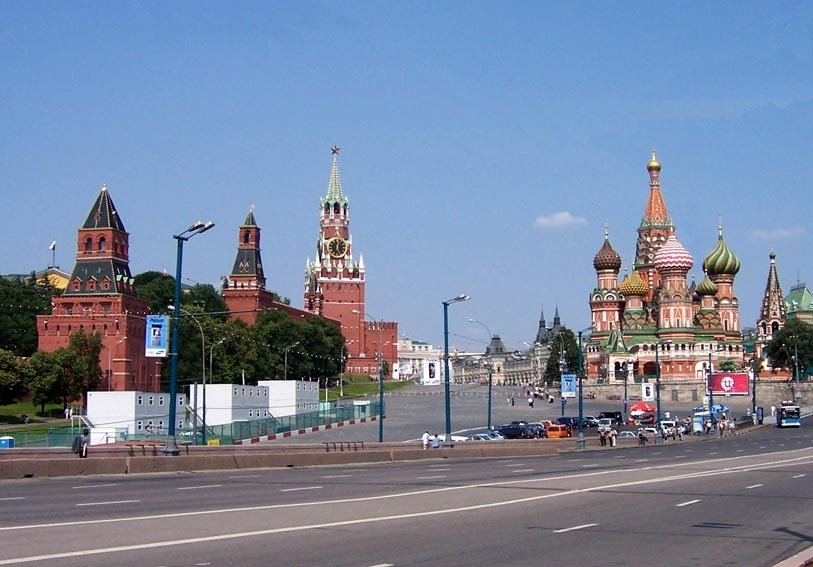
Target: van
{"x":616,"y":416}
{"x":557,"y":431}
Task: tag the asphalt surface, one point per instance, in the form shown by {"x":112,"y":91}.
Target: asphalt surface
{"x":742,"y":500}
{"x":415,"y":409}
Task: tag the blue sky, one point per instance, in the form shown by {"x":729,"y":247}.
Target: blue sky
{"x":484,"y":145}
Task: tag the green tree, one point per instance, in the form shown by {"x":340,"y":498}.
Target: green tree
{"x":59,"y":377}
{"x":15,"y":376}
{"x":21,"y":300}
{"x":205,"y":299}
{"x":795,"y":337}
{"x":88,"y":346}
{"x":563,"y":343}
{"x":729,"y":365}
{"x":157,"y":288}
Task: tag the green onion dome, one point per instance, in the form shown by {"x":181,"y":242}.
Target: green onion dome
{"x":633,"y":284}
{"x":707,"y":287}
{"x":721,"y":260}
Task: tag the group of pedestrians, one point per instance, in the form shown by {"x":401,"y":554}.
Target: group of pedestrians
{"x":608,"y":437}
{"x":428,"y":440}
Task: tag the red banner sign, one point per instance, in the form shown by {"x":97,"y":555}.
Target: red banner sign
{"x":731,"y":383}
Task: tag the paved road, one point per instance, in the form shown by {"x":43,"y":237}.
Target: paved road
{"x":742,"y":501}
{"x":415,"y":409}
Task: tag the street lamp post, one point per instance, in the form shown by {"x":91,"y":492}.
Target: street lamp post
{"x":380,"y":359}
{"x":199,"y":227}
{"x":203,"y":429}
{"x":657,"y":385}
{"x":490,"y":370}
{"x":110,"y":363}
{"x":580,"y":438}
{"x":754,"y":388}
{"x":796,"y":367}
{"x":289,"y":347}
{"x":202,"y":370}
{"x":626,"y":379}
{"x":447,"y":390}
{"x":710,"y":388}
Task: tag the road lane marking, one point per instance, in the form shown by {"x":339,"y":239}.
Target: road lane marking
{"x":301,"y":488}
{"x":687,"y":503}
{"x":430,"y":477}
{"x":199,"y":487}
{"x":740,"y":450}
{"x":574,"y":528}
{"x":338,"y":476}
{"x":588,"y":465}
{"x":798,"y":475}
{"x":239,"y":476}
{"x":787,"y":462}
{"x":641,"y":460}
{"x":384,"y":565}
{"x":441,"y":469}
{"x":522,"y":470}
{"x":94,"y":485}
{"x":680,"y":456}
{"x":713,"y":453}
{"x":753,"y":486}
{"x":108,"y":503}
{"x":23,"y":497}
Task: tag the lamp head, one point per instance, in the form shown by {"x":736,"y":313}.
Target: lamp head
{"x":195,"y":226}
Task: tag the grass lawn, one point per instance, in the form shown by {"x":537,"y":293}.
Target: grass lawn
{"x":358,"y":386}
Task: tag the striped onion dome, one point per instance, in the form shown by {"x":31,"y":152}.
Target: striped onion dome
{"x":721,"y":260}
{"x":633,"y":284}
{"x":673,"y":256}
{"x":707,"y":287}
{"x":607,"y":258}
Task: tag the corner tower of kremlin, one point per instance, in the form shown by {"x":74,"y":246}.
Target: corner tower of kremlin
{"x":101,"y":296}
{"x":653,"y":314}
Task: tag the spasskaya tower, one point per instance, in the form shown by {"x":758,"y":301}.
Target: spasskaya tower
{"x":335,"y":283}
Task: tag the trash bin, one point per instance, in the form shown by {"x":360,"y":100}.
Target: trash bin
{"x":6,"y":442}
{"x":759,"y":415}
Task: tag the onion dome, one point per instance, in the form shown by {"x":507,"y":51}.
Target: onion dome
{"x":633,"y":285}
{"x":673,"y":256}
{"x":707,"y":287}
{"x":654,"y":164}
{"x":607,"y":258}
{"x":721,"y":260}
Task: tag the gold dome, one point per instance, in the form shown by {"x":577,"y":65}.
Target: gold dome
{"x":654,"y":164}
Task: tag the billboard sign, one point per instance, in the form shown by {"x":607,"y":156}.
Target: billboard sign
{"x":157,"y":335}
{"x":729,"y":383}
{"x":568,"y":385}
{"x":647,"y":392}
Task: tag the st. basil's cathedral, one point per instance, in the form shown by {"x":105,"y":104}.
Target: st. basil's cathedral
{"x":654,"y":315}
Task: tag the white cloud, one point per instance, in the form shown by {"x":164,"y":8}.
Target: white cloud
{"x":562,"y":219}
{"x":777,"y":233}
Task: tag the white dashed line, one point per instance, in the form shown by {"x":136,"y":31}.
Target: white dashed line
{"x":94,"y":486}
{"x":13,"y":498}
{"x":589,"y":465}
{"x":753,"y":486}
{"x":517,"y":465}
{"x":108,"y":503}
{"x":522,"y":470}
{"x":430,"y":477}
{"x":199,"y":487}
{"x":680,"y":456}
{"x":583,"y":526}
{"x":445,"y":469}
{"x":301,"y":488}
{"x":687,"y":503}
{"x":798,"y":476}
{"x":338,"y":476}
{"x":239,"y":476}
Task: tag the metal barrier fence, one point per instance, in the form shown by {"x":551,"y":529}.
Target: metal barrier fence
{"x":218,"y":434}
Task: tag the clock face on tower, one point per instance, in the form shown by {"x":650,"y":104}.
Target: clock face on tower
{"x":337,"y":247}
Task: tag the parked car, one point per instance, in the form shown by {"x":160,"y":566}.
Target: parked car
{"x":570,"y":422}
{"x":628,"y":434}
{"x":590,"y":421}
{"x":616,"y":416}
{"x":511,"y":431}
{"x":558,"y":431}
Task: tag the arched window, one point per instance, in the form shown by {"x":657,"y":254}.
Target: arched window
{"x":102,"y":244}
{"x":88,"y":244}
{"x":336,"y":208}
{"x":247,"y":237}
{"x":774,"y":327}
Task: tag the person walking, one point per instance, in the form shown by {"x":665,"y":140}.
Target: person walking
{"x":530,"y":401}
{"x":81,"y":444}
{"x":425,"y":439}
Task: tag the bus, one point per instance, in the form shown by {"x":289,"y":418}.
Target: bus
{"x":788,"y":414}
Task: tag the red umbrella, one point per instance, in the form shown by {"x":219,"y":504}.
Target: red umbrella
{"x":641,"y":407}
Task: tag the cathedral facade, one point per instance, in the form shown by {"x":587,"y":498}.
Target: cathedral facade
{"x":654,"y":320}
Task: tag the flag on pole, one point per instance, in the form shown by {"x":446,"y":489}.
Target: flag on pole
{"x":52,"y":247}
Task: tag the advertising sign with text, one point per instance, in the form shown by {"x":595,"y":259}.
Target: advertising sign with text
{"x":729,"y":383}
